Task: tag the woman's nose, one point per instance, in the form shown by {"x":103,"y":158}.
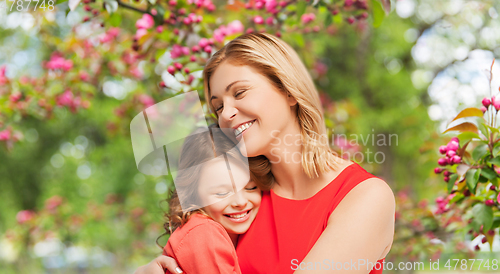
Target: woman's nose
{"x":228,"y":112}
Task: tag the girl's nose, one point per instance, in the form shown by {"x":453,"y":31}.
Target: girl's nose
{"x":239,"y":199}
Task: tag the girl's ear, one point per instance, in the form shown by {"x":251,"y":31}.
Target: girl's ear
{"x":291,"y":101}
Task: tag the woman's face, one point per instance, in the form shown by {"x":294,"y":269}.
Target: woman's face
{"x":218,"y":189}
{"x":251,"y":107}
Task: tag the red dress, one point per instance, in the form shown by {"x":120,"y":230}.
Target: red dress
{"x":286,"y":229}
{"x":202,"y":246}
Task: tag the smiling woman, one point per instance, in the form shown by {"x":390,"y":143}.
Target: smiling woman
{"x":316,"y":207}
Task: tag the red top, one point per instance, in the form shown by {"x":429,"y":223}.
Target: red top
{"x":286,"y":229}
{"x":202,"y":246}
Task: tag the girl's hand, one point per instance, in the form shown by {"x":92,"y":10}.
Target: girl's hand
{"x":158,"y":266}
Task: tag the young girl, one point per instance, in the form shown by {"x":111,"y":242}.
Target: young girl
{"x":215,"y":201}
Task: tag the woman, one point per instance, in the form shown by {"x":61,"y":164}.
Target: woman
{"x":322,"y":213}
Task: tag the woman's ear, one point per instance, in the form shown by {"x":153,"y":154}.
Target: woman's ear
{"x":291,"y":101}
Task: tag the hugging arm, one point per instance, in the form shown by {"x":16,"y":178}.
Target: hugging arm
{"x":359,"y":232}
{"x":158,"y":266}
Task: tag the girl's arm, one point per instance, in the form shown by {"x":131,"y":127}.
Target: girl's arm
{"x":359,"y":232}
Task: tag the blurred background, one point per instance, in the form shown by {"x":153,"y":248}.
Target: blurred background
{"x":391,"y":74}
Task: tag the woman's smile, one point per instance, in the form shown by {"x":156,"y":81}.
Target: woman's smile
{"x":242,"y":128}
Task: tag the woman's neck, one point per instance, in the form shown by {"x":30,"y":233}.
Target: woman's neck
{"x":285,"y":156}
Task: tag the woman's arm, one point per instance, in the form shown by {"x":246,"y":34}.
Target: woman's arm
{"x":359,"y":232}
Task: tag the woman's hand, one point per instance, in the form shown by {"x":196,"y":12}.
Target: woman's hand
{"x":158,"y":266}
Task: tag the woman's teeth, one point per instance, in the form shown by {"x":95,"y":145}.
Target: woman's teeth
{"x":242,"y":128}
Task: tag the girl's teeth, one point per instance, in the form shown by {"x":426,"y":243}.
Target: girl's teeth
{"x":238,"y":215}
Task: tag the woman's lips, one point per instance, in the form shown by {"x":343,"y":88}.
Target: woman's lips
{"x":250,"y":124}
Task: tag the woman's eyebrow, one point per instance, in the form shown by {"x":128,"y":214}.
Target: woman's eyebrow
{"x":229,"y":87}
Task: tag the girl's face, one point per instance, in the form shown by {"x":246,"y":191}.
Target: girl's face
{"x":234,"y":210}
{"x":248,"y":104}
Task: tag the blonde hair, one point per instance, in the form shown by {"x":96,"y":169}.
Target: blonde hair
{"x":279,"y":62}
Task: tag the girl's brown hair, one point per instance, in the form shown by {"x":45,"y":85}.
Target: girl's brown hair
{"x":198,"y":148}
{"x":279,"y":62}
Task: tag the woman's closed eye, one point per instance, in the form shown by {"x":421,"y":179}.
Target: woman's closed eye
{"x":238,"y":95}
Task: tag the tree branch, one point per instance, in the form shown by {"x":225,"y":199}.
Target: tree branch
{"x":120,"y":3}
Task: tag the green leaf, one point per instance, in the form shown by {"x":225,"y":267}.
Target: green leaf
{"x":479,"y":152}
{"x":456,"y":198}
{"x":451,"y":182}
{"x":328,"y":20}
{"x":483,"y":130}
{"x":377,"y":13}
{"x":115,"y":19}
{"x":496,"y":222}
{"x":496,"y":150}
{"x":483,"y":215}
{"x":494,"y":161}
{"x":466,"y":136}
{"x":60,"y":1}
{"x":488,"y":173}
{"x":299,"y":39}
{"x":493,"y":129}
{"x":471,"y":178}
{"x":301,"y":8}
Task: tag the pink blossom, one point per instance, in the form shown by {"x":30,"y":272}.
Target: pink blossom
{"x":146,"y":100}
{"x":53,"y":202}
{"x":24,"y":79}
{"x":270,"y":21}
{"x":84,"y":76}
{"x":114,"y":32}
{"x":137,"y":72}
{"x":3,"y":79}
{"x":146,"y":22}
{"x":496,"y":102}
{"x":159,"y":29}
{"x":235,"y":27}
{"x":24,"y":216}
{"x":486,"y":102}
{"x":185,"y":50}
{"x":258,"y":20}
{"x":171,"y":70}
{"x":306,"y":18}
{"x":139,"y":33}
{"x":498,"y":198}
{"x":271,"y":6}
{"x":321,"y":68}
{"x":203,"y":42}
{"x":452,"y":146}
{"x":15,"y":97}
{"x":58,"y":62}
{"x":176,"y":51}
{"x":483,"y":109}
{"x":4,"y":135}
{"x":65,"y":99}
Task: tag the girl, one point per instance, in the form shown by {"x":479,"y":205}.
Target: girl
{"x":321,"y":213}
{"x":209,"y":209}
